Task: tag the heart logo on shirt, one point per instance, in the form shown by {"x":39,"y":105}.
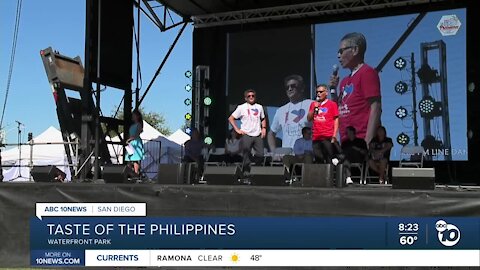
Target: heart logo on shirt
{"x":255,"y":112}
{"x":299,"y":115}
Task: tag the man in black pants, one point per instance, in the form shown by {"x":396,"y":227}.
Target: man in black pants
{"x":324,"y":114}
{"x":253,"y":128}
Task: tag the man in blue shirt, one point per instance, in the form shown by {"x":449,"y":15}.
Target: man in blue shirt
{"x":302,"y":149}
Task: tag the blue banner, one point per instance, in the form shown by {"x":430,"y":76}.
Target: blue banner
{"x":68,"y":234}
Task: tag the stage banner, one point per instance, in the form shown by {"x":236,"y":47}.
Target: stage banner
{"x":157,"y":241}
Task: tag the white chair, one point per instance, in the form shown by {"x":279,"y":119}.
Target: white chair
{"x":368,"y":176}
{"x":278,"y":154}
{"x":412,"y":156}
{"x":361,"y":168}
{"x":296,"y":173}
{"x":214,"y":154}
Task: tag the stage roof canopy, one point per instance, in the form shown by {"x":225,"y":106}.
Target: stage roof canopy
{"x":206,"y":13}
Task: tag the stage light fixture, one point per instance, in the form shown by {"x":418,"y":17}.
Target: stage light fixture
{"x":428,"y":75}
{"x":403,"y":139}
{"x":429,"y":108}
{"x":400,"y":63}
{"x":207,"y":101}
{"x":188,"y":116}
{"x":426,"y":105}
{"x":188,"y":88}
{"x":188,"y":130}
{"x":208,"y":140}
{"x":188,"y":74}
{"x":401,"y":87}
{"x":187,"y":102}
{"x":401,"y":112}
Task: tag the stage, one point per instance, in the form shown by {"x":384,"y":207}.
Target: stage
{"x":17,"y":203}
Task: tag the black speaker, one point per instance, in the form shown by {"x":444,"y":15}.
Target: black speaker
{"x":47,"y":174}
{"x":170,"y":174}
{"x":413,"y":178}
{"x":117,"y":173}
{"x":116,"y":39}
{"x":268,"y":176}
{"x":317,"y":175}
{"x":221,"y":175}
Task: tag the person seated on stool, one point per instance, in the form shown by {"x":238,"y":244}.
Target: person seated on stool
{"x":380,"y":147}
{"x":354,"y":150}
{"x":302,"y":149}
{"x":193,"y":152}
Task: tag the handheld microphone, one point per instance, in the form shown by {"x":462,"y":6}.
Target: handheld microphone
{"x":333,"y":89}
{"x":316,"y":109}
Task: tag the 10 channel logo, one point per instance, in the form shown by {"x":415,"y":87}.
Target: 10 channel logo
{"x":448,"y":234}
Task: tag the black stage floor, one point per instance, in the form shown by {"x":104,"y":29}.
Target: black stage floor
{"x":17,"y":203}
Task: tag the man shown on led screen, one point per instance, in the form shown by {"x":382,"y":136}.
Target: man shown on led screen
{"x":291,"y":117}
{"x":359,"y":99}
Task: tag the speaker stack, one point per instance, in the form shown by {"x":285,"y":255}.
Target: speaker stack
{"x":268,"y":176}
{"x":413,"y":178}
{"x":170,"y":174}
{"x":47,"y":174}
{"x":317,"y":175}
{"x":222,"y":175}
{"x":118,"y":174}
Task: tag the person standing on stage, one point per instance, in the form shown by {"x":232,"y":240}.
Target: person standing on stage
{"x":253,"y":127}
{"x":135,"y":154}
{"x":359,"y":99}
{"x":324,"y":114}
{"x":291,"y":117}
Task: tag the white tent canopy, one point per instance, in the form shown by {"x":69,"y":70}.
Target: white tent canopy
{"x":179,"y":137}
{"x":42,"y":154}
{"x":158,"y":149}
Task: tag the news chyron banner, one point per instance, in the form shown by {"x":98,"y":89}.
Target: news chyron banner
{"x":121,"y":235}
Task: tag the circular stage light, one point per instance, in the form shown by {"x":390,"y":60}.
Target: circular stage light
{"x":208,"y":140}
{"x":426,"y":106}
{"x":400,"y":63}
{"x":401,"y":112}
{"x":188,"y":74}
{"x":188,"y":116}
{"x":401,"y":88}
{"x":207,"y":101}
{"x":403,"y":139}
{"x":188,"y":130}
{"x":188,"y":88}
{"x":187,"y":102}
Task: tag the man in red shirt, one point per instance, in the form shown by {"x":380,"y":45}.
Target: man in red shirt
{"x":324,"y":114}
{"x":359,"y":99}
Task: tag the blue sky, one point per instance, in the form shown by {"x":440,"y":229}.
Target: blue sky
{"x":61,"y":25}
{"x":381,"y":34}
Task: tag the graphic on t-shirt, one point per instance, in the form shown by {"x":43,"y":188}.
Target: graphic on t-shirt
{"x":347,"y":90}
{"x":255,"y":112}
{"x":299,"y":115}
{"x":324,"y":110}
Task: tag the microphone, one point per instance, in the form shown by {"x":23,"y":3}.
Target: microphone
{"x":333,"y":89}
{"x":316,"y":109}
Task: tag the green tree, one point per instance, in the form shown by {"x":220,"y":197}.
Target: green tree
{"x":155,"y":119}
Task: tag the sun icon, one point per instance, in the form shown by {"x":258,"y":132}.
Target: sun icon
{"x":235,"y":258}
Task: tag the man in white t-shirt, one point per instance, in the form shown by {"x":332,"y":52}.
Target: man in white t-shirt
{"x":253,"y":127}
{"x":291,"y":117}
